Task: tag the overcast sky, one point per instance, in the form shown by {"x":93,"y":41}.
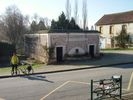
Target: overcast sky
{"x":53,"y":8}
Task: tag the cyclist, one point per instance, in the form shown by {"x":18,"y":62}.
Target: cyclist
{"x":14,"y":63}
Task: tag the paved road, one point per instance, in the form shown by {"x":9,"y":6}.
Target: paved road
{"x":74,"y":85}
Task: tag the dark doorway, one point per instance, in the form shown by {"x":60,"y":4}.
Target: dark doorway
{"x":59,"y":54}
{"x":91,"y":50}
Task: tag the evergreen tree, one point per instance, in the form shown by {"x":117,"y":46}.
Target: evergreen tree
{"x":34,"y":27}
{"x":123,"y":39}
{"x":41,"y":25}
{"x":64,"y":24}
{"x":54,"y":25}
{"x":62,"y":21}
{"x":73,"y":25}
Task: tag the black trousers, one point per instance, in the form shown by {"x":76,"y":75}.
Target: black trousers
{"x":14,"y":68}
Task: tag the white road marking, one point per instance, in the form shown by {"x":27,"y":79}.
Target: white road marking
{"x":130,"y":82}
{"x":54,"y":90}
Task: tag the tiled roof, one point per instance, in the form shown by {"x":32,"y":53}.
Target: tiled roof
{"x":117,"y":18}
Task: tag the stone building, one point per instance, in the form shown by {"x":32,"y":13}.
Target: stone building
{"x":63,"y":44}
{"x":110,"y":26}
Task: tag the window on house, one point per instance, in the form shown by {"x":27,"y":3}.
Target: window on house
{"x":124,"y":27}
{"x":111,"y":30}
{"x":100,"y":29}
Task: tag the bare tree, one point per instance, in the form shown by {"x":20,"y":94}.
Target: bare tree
{"x":84,"y":13}
{"x":3,"y":37}
{"x":76,"y":11}
{"x":36,"y":17}
{"x":46,"y":22}
{"x":14,"y":25}
{"x":68,"y":9}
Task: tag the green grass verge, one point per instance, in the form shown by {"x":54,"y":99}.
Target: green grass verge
{"x":117,"y":49}
{"x":7,"y":70}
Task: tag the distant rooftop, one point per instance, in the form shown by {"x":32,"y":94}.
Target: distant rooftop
{"x":116,"y":18}
{"x":72,"y":31}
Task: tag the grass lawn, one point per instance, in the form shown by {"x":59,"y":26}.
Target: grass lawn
{"x":115,"y":49}
{"x":4,"y":71}
{"x":7,"y":70}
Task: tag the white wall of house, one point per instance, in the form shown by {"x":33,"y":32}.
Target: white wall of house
{"x":102,"y":42}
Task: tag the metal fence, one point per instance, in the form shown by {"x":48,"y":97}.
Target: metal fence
{"x":107,"y":88}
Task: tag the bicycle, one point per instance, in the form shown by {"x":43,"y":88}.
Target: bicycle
{"x":24,"y":69}
{"x":108,"y":88}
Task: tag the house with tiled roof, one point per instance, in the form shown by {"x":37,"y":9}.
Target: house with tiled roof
{"x":110,"y":26}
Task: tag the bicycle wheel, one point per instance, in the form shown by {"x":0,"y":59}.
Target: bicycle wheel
{"x":23,"y":70}
{"x":29,"y":69}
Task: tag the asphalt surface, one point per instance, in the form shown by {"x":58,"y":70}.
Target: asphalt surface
{"x":109,"y":58}
{"x":72,"y":85}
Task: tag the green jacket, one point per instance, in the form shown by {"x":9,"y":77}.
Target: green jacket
{"x":14,"y":59}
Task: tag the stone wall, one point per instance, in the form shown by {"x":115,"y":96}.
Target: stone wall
{"x":69,"y":41}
